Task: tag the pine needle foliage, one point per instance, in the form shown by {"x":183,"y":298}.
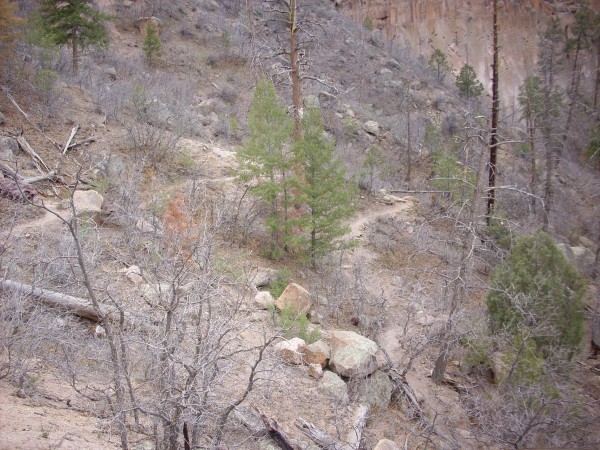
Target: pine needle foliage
{"x":267,"y":160}
{"x":74,"y":22}
{"x":325,"y":190}
{"x":537,"y":289}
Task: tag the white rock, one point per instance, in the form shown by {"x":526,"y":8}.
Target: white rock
{"x":292,"y":351}
{"x":263,"y":300}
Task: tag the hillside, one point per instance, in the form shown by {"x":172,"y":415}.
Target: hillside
{"x":155,"y":322}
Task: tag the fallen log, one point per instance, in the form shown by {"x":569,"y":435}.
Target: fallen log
{"x":85,"y":141}
{"x":32,"y":154}
{"x":8,"y":171}
{"x":276,"y":433}
{"x":353,"y":437}
{"x":73,"y":133}
{"x":74,"y":305}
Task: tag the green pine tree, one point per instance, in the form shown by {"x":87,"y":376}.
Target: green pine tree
{"x":439,"y":64}
{"x":152,"y":45}
{"x":538,"y":293}
{"x":467,"y":83}
{"x":268,"y":160}
{"x":325,"y":190}
{"x":74,"y":22}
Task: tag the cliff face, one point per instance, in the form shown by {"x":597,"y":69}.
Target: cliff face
{"x":462,"y":29}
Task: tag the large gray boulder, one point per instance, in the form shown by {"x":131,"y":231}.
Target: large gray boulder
{"x":292,"y":351}
{"x":386,"y":444}
{"x":8,"y":148}
{"x":333,"y":386}
{"x":352,"y":355}
{"x":317,"y":353}
{"x":376,"y":390}
{"x":296,"y":297}
{"x":87,"y":203}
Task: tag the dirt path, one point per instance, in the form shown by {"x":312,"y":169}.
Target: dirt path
{"x":362,"y":219}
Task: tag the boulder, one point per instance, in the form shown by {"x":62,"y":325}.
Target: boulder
{"x":376,"y":390}
{"x":371,"y":127}
{"x":296,"y":297}
{"x":133,"y":274}
{"x":317,"y":353}
{"x":333,"y":386}
{"x":263,"y":300}
{"x":386,"y":444}
{"x":154,"y":292}
{"x":385,"y":71}
{"x":264,"y":276}
{"x":389,"y":199}
{"x":393,"y":84}
{"x":315,"y":371}
{"x":292,"y":351}
{"x":352,"y":355}
{"x":312,"y":101}
{"x":8,"y":148}
{"x":87,"y":203}
{"x":393,"y":63}
{"x":587,"y":242}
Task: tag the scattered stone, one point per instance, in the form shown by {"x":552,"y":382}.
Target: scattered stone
{"x":295,"y":296}
{"x":207,"y":106}
{"x":17,"y":192}
{"x":263,"y":300}
{"x":292,"y":351}
{"x":144,"y":226}
{"x":8,"y":148}
{"x":111,"y":72}
{"x":352,"y":355}
{"x":333,"y":386}
{"x":133,"y":274}
{"x":2,"y":119}
{"x":393,"y":63}
{"x":350,"y":113}
{"x":389,"y":199}
{"x":251,"y":419}
{"x":99,"y":332}
{"x":393,"y":84}
{"x":386,"y":444}
{"x":586,"y":242}
{"x":153,"y":293}
{"x":87,"y":203}
{"x":315,"y":371}
{"x":315,"y":317}
{"x":376,"y":390}
{"x":371,"y":127}
{"x":425,"y":320}
{"x":385,"y":71}
{"x":312,"y":101}
{"x":317,"y":353}
{"x":264,"y":276}
{"x":325,"y":96}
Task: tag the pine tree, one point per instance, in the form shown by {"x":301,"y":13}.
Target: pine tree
{"x":152,"y":45}
{"x":268,"y":160}
{"x":531,"y":98}
{"x":439,"y":64}
{"x":325,"y":190}
{"x":75,"y":22}
{"x":538,"y":290}
{"x":467,"y":83}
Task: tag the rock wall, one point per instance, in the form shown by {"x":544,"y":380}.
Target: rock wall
{"x":463,"y":30}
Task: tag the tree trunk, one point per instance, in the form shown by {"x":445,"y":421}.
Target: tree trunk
{"x":409,"y":150}
{"x":597,"y":85}
{"x":533,"y":155}
{"x":491,"y":197}
{"x":75,"y":53}
{"x":74,"y":305}
{"x":295,"y":72}
{"x":574,"y":88}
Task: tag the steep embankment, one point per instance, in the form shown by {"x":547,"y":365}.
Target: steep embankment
{"x":462,"y":29}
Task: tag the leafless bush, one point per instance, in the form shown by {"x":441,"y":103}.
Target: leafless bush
{"x":155,"y":111}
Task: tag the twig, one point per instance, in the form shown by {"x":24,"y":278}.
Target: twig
{"x":85,"y":141}
{"x":73,"y":133}
{"x":33,"y":155}
{"x":14,"y":102}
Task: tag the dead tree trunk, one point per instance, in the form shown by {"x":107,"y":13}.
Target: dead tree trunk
{"x":74,"y":305}
{"x":491,"y":197}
